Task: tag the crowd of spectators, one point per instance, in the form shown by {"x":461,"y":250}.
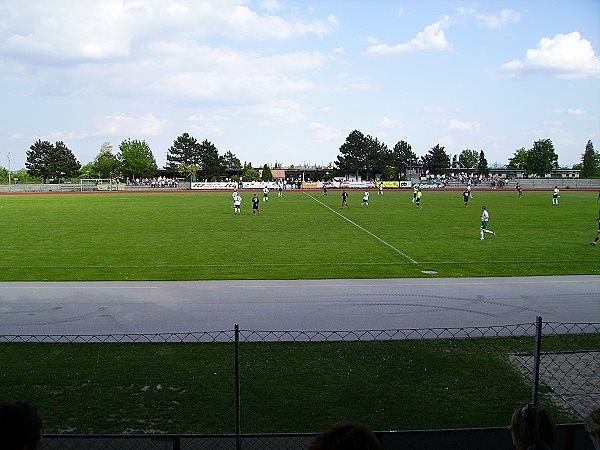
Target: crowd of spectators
{"x":160,"y":182}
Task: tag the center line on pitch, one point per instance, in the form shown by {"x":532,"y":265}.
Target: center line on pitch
{"x":364,"y":229}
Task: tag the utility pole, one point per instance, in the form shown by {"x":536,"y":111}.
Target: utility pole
{"x":9,"y":170}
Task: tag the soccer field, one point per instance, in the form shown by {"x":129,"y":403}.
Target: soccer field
{"x":302,"y":235}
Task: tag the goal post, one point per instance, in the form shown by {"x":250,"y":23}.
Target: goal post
{"x":96,"y":184}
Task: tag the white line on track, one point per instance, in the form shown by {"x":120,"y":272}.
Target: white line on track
{"x":365,"y":230}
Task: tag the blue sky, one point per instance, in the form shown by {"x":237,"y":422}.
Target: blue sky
{"x":287,"y":81}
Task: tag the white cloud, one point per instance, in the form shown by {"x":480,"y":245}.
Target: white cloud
{"x":324,"y":132}
{"x":390,"y":123}
{"x":455,"y":124}
{"x":71,"y":30}
{"x":431,"y":38}
{"x":496,"y":21}
{"x":155,"y":48}
{"x":270,"y":5}
{"x":565,"y":55}
{"x":207,"y":129}
{"x":120,"y":124}
{"x":277,"y":112}
{"x":575,"y":112}
{"x":65,"y":136}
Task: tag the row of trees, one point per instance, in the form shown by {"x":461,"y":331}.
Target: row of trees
{"x":542,"y":159}
{"x":190,"y":158}
{"x":56,"y":161}
{"x":360,"y":154}
{"x":134,"y":159}
{"x":367,"y":156}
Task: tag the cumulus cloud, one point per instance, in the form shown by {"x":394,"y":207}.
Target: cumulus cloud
{"x":495,"y":21}
{"x":73,"y":30}
{"x":431,"y":38}
{"x":270,"y":5}
{"x":276,"y":112}
{"x":324,"y":132}
{"x":564,"y":55}
{"x":455,"y":124}
{"x":388,"y":123}
{"x":120,"y":124}
{"x":159,"y":49}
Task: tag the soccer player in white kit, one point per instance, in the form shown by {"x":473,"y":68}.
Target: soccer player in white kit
{"x":237,"y":202}
{"x":485,"y":216}
{"x":265,"y":194}
{"x":555,"y":195}
{"x":365,"y":200}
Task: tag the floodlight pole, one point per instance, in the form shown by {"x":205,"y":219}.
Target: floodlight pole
{"x":8,"y":170}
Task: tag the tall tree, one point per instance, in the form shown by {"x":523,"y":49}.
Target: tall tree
{"x":88,"y":171}
{"x":402,"y":157}
{"x":37,"y":159}
{"x":49,"y":161}
{"x":482,"y":164}
{"x":106,"y":164}
{"x":541,"y":159}
{"x":231,"y":161}
{"x":589,"y":162}
{"x":267,"y":175}
{"x":363,"y":155}
{"x":353,"y":153}
{"x":185,"y":150}
{"x":63,"y":163}
{"x":436,"y":161}
{"x":519,"y":159}
{"x":136,"y":159}
{"x":468,"y":158}
{"x":377,"y":157}
{"x":3,"y":175}
{"x":212,"y":165}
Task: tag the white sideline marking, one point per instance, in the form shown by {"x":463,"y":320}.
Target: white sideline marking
{"x":345,"y":263}
{"x":365,"y":230}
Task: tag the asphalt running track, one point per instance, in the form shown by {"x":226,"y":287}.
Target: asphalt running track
{"x":86,"y":308}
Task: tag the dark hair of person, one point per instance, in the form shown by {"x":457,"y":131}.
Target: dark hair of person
{"x":346,"y":436}
{"x":20,"y":426}
{"x":592,"y":421}
{"x":533,"y":427}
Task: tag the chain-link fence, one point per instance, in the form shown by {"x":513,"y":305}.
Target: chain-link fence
{"x":258,"y":389}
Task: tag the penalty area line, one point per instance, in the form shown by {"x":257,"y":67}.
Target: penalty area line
{"x":365,"y":230}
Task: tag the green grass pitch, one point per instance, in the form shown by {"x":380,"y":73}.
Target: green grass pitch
{"x":302,"y":235}
{"x":285,"y":387}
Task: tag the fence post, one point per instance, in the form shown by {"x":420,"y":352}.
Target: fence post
{"x":536,"y":360}
{"x":238,"y":437}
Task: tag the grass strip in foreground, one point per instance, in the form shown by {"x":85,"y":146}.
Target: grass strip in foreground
{"x":285,"y":386}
